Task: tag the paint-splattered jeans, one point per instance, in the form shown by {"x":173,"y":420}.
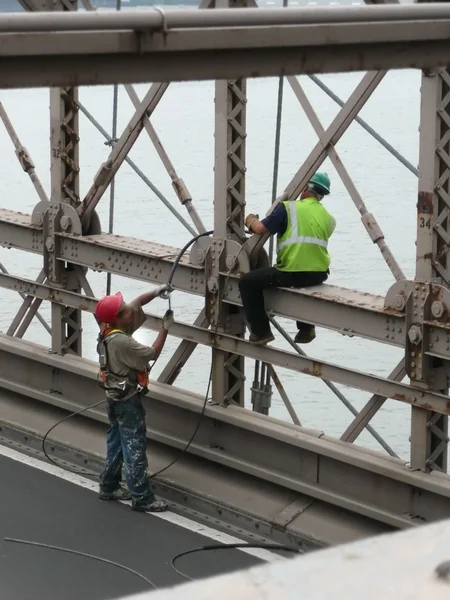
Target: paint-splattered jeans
{"x":127,"y":443}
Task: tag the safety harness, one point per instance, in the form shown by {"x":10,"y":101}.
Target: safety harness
{"x":125,"y":389}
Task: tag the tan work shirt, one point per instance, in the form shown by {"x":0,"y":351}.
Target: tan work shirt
{"x":126,"y":356}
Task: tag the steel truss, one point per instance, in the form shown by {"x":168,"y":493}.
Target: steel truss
{"x":413,"y":315}
{"x":178,"y":47}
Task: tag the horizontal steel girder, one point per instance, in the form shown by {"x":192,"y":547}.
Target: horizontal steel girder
{"x":364,"y":381}
{"x":160,"y":52}
{"x":300,"y":459}
{"x":347,"y":311}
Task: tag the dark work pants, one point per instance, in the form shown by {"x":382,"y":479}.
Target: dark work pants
{"x":253,"y":284}
{"x":126,"y":442}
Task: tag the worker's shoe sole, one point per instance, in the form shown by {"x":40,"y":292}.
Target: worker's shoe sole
{"x":305,"y":336}
{"x":155,"y":506}
{"x":261,"y":340}
{"x":120,"y":494}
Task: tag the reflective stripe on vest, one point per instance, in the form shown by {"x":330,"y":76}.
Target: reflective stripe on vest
{"x":304,"y":244}
{"x":299,"y":239}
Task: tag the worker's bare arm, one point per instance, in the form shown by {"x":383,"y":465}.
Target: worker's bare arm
{"x":258,"y":227}
{"x":149,"y":296}
{"x":255,"y":225}
{"x":159,"y":342}
{"x":168,"y":321}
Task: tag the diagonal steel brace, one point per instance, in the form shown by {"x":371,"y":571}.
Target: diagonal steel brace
{"x":120,"y":151}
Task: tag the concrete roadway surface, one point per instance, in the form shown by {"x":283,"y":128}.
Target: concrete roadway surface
{"x":43,"y":507}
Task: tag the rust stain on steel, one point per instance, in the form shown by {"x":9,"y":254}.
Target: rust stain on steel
{"x":437,"y":292}
{"x":425,"y":202}
{"x":402,"y":398}
{"x":438,"y":324}
{"x":316,"y":370}
{"x":424,"y":405}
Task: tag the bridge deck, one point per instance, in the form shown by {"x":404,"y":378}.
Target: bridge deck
{"x":41,"y":507}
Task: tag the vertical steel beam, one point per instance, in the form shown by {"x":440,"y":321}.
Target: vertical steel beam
{"x":64,"y":141}
{"x":229,"y":204}
{"x":64,"y":147}
{"x":429,"y":431}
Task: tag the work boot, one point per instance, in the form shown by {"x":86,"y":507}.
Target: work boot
{"x":120,"y":494}
{"x":306,"y":335}
{"x":261,"y":340}
{"x":152,"y":506}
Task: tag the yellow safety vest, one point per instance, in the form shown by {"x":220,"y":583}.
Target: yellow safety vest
{"x":303,"y":246}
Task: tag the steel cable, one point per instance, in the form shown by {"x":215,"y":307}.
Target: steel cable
{"x":265,"y":374}
{"x":137,"y":170}
{"x":367,"y":127}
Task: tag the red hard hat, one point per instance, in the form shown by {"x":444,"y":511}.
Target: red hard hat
{"x":108,"y":308}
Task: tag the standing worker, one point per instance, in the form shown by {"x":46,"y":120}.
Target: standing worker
{"x":303,"y":228}
{"x":124,"y":370}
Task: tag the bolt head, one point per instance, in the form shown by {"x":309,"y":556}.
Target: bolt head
{"x":399,"y":302}
{"x":49,"y":244}
{"x":230,"y":261}
{"x":212,"y":285}
{"x":414,"y":334}
{"x":65,"y":223}
{"x":437,"y":309}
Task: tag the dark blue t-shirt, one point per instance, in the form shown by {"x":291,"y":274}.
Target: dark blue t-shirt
{"x":277,"y":221}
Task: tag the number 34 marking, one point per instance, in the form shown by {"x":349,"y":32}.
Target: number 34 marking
{"x":424,"y":222}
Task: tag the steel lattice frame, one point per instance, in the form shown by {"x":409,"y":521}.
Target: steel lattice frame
{"x":229,"y":207}
{"x":414,"y":314}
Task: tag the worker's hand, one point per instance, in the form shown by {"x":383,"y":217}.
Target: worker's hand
{"x":250,"y":219}
{"x":163,"y":291}
{"x":168,"y":320}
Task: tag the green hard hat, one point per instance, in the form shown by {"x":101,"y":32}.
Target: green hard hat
{"x":322,"y":181}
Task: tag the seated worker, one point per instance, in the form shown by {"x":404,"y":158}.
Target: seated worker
{"x":303,"y":228}
{"x":124,"y":368}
